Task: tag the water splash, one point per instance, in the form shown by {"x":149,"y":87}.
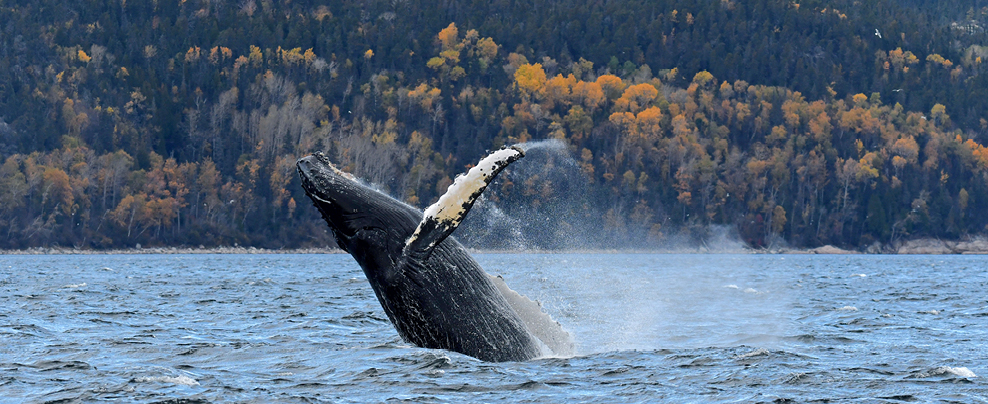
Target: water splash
{"x":543,"y":198}
{"x":547,"y":144}
{"x":549,"y":203}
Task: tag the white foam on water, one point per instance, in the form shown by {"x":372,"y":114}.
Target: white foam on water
{"x":75,"y":286}
{"x":961,"y":371}
{"x":732,"y":287}
{"x":947,"y":370}
{"x":180,"y":380}
{"x":757,"y":352}
{"x":847,"y":308}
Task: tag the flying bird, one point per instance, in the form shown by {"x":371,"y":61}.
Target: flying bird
{"x":879,"y":34}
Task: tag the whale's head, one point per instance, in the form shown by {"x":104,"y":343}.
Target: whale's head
{"x":368,"y":224}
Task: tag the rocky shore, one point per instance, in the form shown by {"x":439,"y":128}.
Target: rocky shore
{"x":977,"y":245}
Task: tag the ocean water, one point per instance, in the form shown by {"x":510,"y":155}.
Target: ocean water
{"x":649,"y":327}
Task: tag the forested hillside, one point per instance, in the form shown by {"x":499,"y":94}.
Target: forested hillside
{"x":179,"y":122}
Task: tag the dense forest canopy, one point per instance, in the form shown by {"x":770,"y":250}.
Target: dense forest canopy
{"x":179,"y":122}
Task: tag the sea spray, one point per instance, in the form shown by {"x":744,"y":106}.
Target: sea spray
{"x":545,"y":201}
{"x":541,"y":202}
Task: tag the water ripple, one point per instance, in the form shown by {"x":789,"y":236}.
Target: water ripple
{"x":649,"y":328}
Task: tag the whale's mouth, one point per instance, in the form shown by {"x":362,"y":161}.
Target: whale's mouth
{"x":331,"y":191}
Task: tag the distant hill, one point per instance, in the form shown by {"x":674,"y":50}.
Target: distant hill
{"x":811,"y":123}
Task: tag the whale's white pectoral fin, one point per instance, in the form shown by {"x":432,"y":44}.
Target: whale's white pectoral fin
{"x":448,"y":212}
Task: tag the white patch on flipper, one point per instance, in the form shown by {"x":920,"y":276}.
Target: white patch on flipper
{"x":464,"y":188}
{"x":540,"y":324}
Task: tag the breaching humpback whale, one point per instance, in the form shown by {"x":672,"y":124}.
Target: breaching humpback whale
{"x":431,"y":289}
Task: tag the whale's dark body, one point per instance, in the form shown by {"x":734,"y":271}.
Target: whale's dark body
{"x":433,"y":292}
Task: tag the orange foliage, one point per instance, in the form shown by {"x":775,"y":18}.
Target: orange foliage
{"x":649,"y":122}
{"x":625,"y":120}
{"x":979,"y":152}
{"x":59,"y":189}
{"x":611,"y":85}
{"x":559,"y":88}
{"x":590,"y":94}
{"x":449,"y":37}
{"x":636,"y":98}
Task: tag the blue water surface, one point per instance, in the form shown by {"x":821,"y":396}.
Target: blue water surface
{"x":649,"y":327}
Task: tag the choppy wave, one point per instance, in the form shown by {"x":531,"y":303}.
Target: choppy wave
{"x":649,"y":328}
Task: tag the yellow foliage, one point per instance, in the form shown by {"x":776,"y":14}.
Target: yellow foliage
{"x":702,"y":78}
{"x":860,"y":99}
{"x":457,"y":73}
{"x":672,"y":75}
{"x":367,"y":55}
{"x":453,"y":56}
{"x":487,"y":48}
{"x":778,"y":134}
{"x":388,"y":135}
{"x":291,"y":57}
{"x":435,"y":63}
{"x":255,"y":57}
{"x":936,"y":58}
{"x":83,"y":57}
{"x":530,"y":78}
{"x":424,"y":96}
{"x":898,"y":162}
{"x":865,"y":169}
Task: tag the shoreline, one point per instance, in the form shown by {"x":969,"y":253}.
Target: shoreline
{"x":923,"y":246}
{"x":169,"y":250}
